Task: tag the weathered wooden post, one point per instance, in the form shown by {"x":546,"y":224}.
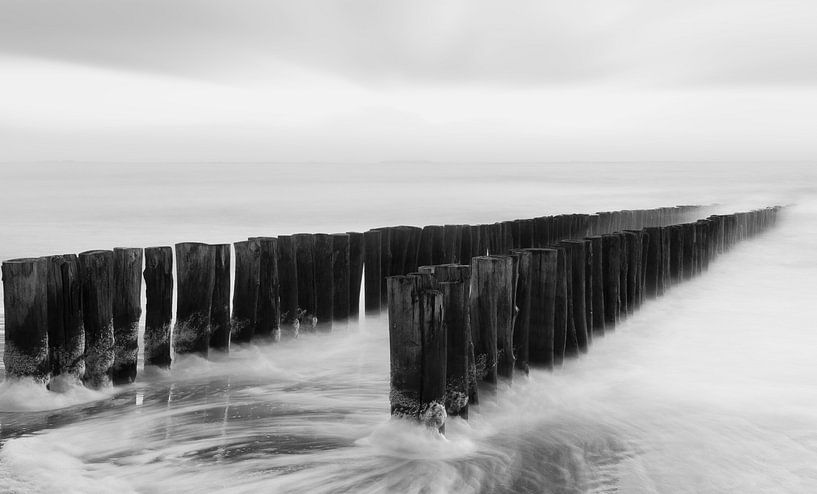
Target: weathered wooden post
{"x":588,"y":287}
{"x":577,"y":257}
{"x":467,"y":244}
{"x":385,"y":262}
{"x":412,"y":248}
{"x":25,"y":300}
{"x":127,"y":309}
{"x":521,"y":328}
{"x":220,"y":306}
{"x":505,"y":313}
{"x":543,"y":284}
{"x":268,"y":310}
{"x":341,"y":279}
{"x":563,"y":344}
{"x":324,"y":282}
{"x":676,"y":253}
{"x":435,"y":339}
{"x":485,"y":278}
{"x":597,"y":291}
{"x":245,"y":291}
{"x":690,"y":254}
{"x":624,"y":265}
{"x":653,"y":268}
{"x":633,"y":241}
{"x":356,"y":251}
{"x":666,"y":261}
{"x":459,"y":362}
{"x":417,"y":342}
{"x":453,"y":272}
{"x":159,"y":305}
{"x":452,"y":235}
{"x":96,"y":273}
{"x":612,"y":268}
{"x":305,"y":262}
{"x":195,"y":272}
{"x":372,"y":271}
{"x":66,"y":334}
{"x":288,"y":287}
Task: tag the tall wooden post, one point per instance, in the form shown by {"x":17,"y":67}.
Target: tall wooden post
{"x":543,"y":285}
{"x":653,"y":271}
{"x":127,"y":309}
{"x":521,"y":328}
{"x":324,"y":281}
{"x":220,"y":306}
{"x":288,"y":287}
{"x":96,"y":273}
{"x":356,"y":251}
{"x":159,"y":305}
{"x":597,"y":292}
{"x":245,"y":291}
{"x":486,"y":274}
{"x":66,"y":333}
{"x":268,"y":310}
{"x":305,"y":262}
{"x":372,"y":297}
{"x":578,"y":260}
{"x":612,"y":280}
{"x":406,"y":346}
{"x":341,"y":281}
{"x":459,"y":362}
{"x":435,"y":339}
{"x":677,"y":248}
{"x":25,"y":301}
{"x":195,"y":272}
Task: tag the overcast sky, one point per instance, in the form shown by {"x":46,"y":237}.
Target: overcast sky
{"x":443,"y":80}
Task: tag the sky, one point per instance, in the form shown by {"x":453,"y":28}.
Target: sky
{"x":430,"y":80}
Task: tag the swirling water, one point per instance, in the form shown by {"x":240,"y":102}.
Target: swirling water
{"x":711,"y":388}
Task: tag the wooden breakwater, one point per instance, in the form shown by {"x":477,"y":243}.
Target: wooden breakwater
{"x":77,"y":315}
{"x":535,"y":306}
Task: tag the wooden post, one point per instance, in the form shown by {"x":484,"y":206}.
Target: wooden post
{"x":340,"y":284}
{"x":451,"y":244}
{"x":542,"y":287}
{"x":565,"y":305}
{"x":561,"y":310}
{"x":385,"y":262}
{"x":324,"y":282}
{"x":688,"y":230}
{"x":405,"y":344}
{"x":268,"y":309}
{"x":653,"y":270}
{"x":452,"y":272}
{"x":633,"y":241}
{"x":485,"y":278}
{"x":159,"y":305}
{"x":288,"y":286}
{"x":96,"y":273}
{"x":305,"y":262}
{"x":521,"y":328}
{"x":507,"y":274}
{"x":460,"y":360}
{"x":676,"y":253}
{"x":66,"y":334}
{"x":624,"y":266}
{"x":372,"y":274}
{"x":356,"y":251}
{"x":611,"y":249}
{"x":578,"y":260}
{"x":413,"y":248}
{"x":127,"y":309}
{"x":195,"y":272}
{"x":597,"y":291}
{"x":245,"y":291}
{"x":588,"y":287}
{"x":400,"y":237}
{"x":433,"y":396}
{"x":220,"y":306}
{"x":666,"y":257}
{"x":25,"y":300}
{"x":467,"y":244}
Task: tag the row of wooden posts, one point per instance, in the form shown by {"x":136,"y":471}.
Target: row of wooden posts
{"x":456,"y":329}
{"x":78,"y":315}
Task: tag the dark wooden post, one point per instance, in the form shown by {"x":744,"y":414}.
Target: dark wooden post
{"x":159,"y":305}
{"x":385,"y":262}
{"x":653,"y":270}
{"x":624,"y":265}
{"x":561,"y":344}
{"x":588,"y":287}
{"x":195,"y":272}
{"x":288,"y":286}
{"x":485,"y":274}
{"x":435,"y":339}
{"x":451,"y":244}
{"x":542,"y":287}
{"x":676,"y":253}
{"x":66,"y":334}
{"x":405,"y":344}
{"x":666,"y":258}
{"x":245,"y":291}
{"x":356,"y":251}
{"x":372,"y":274}
{"x":452,"y":272}
{"x":467,"y":244}
{"x":305,"y":262}
{"x":220,"y":307}
{"x":612,"y":269}
{"x":578,"y":260}
{"x":324,"y":282}
{"x":521,"y":329}
{"x":268,"y":310}
{"x":460,"y":360}
{"x":505,"y":285}
{"x":25,"y":300}
{"x":340,"y":284}
{"x":96,"y":273}
{"x":400,"y":237}
{"x":597,"y":292}
{"x":690,"y":256}
{"x":127,"y":309}
{"x":633,"y":241}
